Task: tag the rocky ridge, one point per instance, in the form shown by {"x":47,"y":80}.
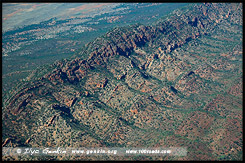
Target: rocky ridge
{"x":135,"y":78}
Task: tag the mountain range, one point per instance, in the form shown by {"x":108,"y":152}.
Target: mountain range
{"x":175,"y":83}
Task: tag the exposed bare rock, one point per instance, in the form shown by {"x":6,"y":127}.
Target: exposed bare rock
{"x":28,"y":141}
{"x":173,"y":83}
{"x":71,"y":102}
{"x":50,"y":121}
{"x":6,"y":141}
{"x":86,"y":93}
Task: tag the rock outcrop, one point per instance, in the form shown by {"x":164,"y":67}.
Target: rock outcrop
{"x":172,"y":83}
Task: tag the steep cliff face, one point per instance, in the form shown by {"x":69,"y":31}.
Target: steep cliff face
{"x":140,"y":83}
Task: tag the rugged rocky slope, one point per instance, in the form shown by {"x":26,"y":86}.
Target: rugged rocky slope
{"x":175,"y":83}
